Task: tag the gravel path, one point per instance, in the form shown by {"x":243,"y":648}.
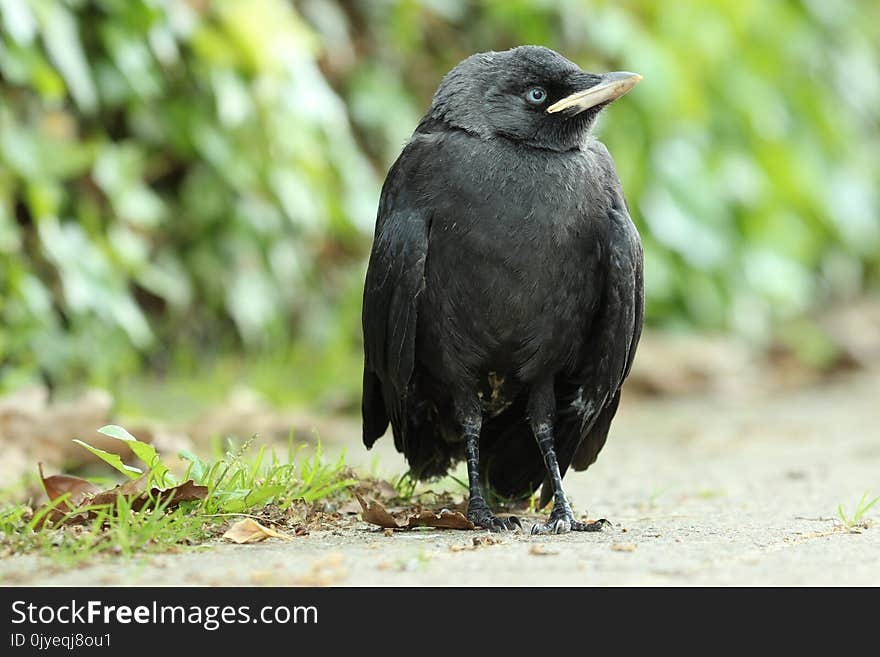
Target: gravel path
{"x":712,"y":490}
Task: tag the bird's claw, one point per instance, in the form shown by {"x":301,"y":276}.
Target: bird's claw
{"x":566,"y":523}
{"x":595,"y":526}
{"x":487,"y":520}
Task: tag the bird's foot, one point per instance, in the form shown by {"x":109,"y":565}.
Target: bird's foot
{"x":482,"y":517}
{"x":564,"y":522}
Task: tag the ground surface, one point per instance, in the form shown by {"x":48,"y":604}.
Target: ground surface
{"x":728,"y":489}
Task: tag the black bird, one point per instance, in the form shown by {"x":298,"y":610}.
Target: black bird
{"x":503,"y":299}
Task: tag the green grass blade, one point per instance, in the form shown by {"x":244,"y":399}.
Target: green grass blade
{"x":862,"y":510}
{"x":43,"y":512}
{"x":843,"y":515}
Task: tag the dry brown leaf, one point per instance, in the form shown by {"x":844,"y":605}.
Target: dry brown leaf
{"x":83,"y":492}
{"x":136,"y":489}
{"x":58,"y":485}
{"x":250,"y":531}
{"x":623,"y":547}
{"x":443,"y":520}
{"x":375,"y":514}
{"x":188,"y":491}
{"x":131,"y":488}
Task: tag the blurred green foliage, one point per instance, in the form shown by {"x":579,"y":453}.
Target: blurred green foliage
{"x":172,"y":174}
{"x":181,"y":178}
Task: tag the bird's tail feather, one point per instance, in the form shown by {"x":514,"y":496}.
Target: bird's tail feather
{"x":373,"y":409}
{"x":511,"y":466}
{"x":431,"y":448}
{"x":511,"y":463}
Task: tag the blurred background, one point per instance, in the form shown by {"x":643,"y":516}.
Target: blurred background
{"x":188,"y":187}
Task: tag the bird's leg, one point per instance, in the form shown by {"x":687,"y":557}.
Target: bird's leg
{"x":561,"y":517}
{"x":478,"y":511}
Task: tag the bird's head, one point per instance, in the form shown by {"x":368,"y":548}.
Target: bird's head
{"x":528,"y":94}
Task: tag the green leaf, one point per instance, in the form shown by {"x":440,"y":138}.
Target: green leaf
{"x":143,"y":451}
{"x":115,"y":431}
{"x":113,"y":459}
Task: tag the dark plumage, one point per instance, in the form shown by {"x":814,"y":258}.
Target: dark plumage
{"x":503,"y":299}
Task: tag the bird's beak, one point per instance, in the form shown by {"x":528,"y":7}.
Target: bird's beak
{"x":611,"y":86}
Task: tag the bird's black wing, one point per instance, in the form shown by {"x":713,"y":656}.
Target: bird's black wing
{"x":395,"y":279}
{"x":615,"y":336}
{"x":587,"y":402}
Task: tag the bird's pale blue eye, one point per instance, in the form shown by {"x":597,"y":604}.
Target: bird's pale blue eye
{"x":536,"y":96}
